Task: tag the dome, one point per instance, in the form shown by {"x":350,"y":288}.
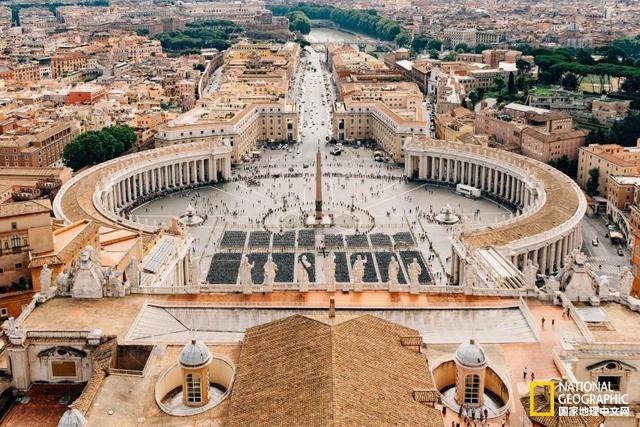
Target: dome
{"x":195,"y":354}
{"x":72,"y":418}
{"x":471,"y":354}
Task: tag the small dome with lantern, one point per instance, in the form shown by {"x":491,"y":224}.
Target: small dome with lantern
{"x":194,"y":354}
{"x":471,"y":354}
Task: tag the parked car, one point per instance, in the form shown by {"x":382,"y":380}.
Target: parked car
{"x":595,"y":242}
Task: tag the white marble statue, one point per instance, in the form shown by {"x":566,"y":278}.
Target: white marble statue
{"x":194,"y":270}
{"x":45,"y":278}
{"x":270,"y":270}
{"x":625,"y":282}
{"x":63,"y":281}
{"x":133,"y":272}
{"x":113,"y":286}
{"x":414,"y":271}
{"x":329,"y":270}
{"x":303,"y":273}
{"x":393,"y":270}
{"x":88,"y":280}
{"x":358,"y":273}
{"x":469,"y":280}
{"x":9,"y":325}
{"x":603,"y":288}
{"x":245,"y":275}
{"x":530,"y":271}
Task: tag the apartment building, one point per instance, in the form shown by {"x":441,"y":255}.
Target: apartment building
{"x":24,"y":226}
{"x":469,"y":36}
{"x":388,"y":113}
{"x":551,"y":136}
{"x":38,"y":146}
{"x":85,"y":94}
{"x":537,"y":133}
{"x":452,"y":125}
{"x":609,"y":159}
{"x":68,"y":62}
{"x":607,"y":110}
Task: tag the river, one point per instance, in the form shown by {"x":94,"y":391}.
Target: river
{"x":331,"y":35}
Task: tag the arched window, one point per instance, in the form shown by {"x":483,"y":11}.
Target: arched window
{"x":471,"y":389}
{"x":194,"y":390}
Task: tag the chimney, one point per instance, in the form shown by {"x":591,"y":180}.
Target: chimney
{"x":332,"y":308}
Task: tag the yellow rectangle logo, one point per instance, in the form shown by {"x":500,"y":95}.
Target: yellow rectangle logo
{"x":533,"y":385}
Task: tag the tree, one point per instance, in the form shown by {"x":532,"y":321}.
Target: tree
{"x":568,"y":167}
{"x":570,"y":82}
{"x":434,"y":44}
{"x":402,"y":39}
{"x":481,"y":47}
{"x":419,"y":43}
{"x":497,"y":85}
{"x":511,"y":85}
{"x":299,"y":22}
{"x":93,"y":147}
{"x":434,"y":54}
{"x":522,"y":66}
{"x":474,"y":97}
{"x":461,"y":47}
{"x":592,"y":182}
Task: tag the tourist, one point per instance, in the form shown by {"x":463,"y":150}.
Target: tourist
{"x":533,"y":377}
{"x":542,"y":322}
{"x":502,"y":422}
{"x":524,"y":373}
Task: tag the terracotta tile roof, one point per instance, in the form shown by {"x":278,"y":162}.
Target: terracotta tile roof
{"x":303,"y":371}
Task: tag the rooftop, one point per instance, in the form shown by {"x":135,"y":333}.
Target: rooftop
{"x":302,"y":369}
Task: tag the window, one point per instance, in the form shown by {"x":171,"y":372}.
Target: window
{"x":4,"y":313}
{"x":613,"y":382}
{"x":471,"y":387}
{"x":14,"y":225}
{"x":194,"y":392}
{"x":63,"y":368}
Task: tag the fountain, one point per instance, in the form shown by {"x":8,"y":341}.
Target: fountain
{"x":446,"y":216}
{"x":190,"y":218}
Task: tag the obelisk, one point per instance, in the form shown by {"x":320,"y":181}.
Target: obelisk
{"x":318,"y":187}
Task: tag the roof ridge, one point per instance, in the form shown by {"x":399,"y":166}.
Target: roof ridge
{"x":331,"y":373}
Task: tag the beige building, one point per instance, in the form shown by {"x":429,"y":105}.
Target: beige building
{"x":385,"y":112}
{"x":609,"y":159}
{"x":24,"y":227}
{"x":250,"y":106}
{"x":36,"y":147}
{"x":540,"y":134}
{"x":451,"y":126}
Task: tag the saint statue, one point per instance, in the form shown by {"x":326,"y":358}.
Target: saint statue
{"x":133,"y":272}
{"x":329,"y":269}
{"x":393,"y":274}
{"x":303,"y":273}
{"x":358,"y":273}
{"x":63,"y":281}
{"x":45,"y":278}
{"x":245,"y":275}
{"x":414,"y":271}
{"x":270,"y":270}
{"x":530,"y":270}
{"x":625,"y":282}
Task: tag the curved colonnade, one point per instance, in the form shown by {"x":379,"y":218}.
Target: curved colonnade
{"x":551,"y":204}
{"x":103,"y":192}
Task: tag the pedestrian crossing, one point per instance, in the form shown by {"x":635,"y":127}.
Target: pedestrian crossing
{"x":603,"y":265}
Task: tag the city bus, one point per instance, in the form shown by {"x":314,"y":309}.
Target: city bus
{"x":468,"y":191}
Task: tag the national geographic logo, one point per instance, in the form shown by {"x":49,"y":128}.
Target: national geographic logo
{"x":546,"y":387}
